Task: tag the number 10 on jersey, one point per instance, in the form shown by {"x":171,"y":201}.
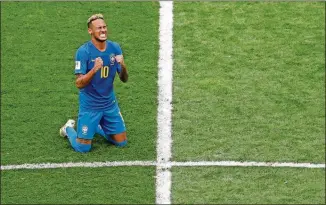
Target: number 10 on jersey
{"x":105,"y":72}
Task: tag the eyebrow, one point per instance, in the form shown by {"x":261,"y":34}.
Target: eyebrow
{"x":100,"y":26}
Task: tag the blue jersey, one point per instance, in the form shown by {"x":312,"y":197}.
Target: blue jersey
{"x":99,"y":93}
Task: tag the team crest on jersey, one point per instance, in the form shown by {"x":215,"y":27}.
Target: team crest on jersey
{"x":112,"y":59}
{"x":84,"y":130}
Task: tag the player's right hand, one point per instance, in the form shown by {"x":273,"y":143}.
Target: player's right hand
{"x":98,"y":63}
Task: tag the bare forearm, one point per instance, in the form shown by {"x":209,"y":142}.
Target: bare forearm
{"x":84,"y":80}
{"x":124,"y":73}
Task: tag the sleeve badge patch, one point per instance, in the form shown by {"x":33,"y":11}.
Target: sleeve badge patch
{"x":77,"y":65}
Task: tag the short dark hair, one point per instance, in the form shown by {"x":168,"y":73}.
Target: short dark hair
{"x":93,"y":18}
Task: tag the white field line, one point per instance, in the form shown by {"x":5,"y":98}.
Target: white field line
{"x":167,"y":165}
{"x":79,"y":164}
{"x":164,"y":140}
{"x":247,"y":164}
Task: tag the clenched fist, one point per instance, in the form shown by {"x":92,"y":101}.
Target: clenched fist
{"x":119,"y":59}
{"x":98,"y":63}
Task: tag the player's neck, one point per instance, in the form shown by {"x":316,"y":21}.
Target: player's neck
{"x":101,"y":46}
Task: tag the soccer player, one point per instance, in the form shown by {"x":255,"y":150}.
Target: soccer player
{"x":97,"y":62}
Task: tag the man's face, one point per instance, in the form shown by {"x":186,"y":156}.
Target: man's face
{"x":98,"y":30}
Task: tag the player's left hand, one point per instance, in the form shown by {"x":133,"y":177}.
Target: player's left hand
{"x":119,"y":59}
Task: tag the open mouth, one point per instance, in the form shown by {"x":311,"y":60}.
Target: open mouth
{"x":103,"y":35}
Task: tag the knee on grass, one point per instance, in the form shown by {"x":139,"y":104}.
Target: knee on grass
{"x":121,"y":144}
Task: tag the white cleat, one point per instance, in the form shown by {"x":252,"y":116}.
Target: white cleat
{"x":69,"y":123}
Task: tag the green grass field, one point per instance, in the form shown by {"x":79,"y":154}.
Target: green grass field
{"x":252,"y":81}
{"x":79,"y":186}
{"x":38,"y":91}
{"x":252,"y":185}
{"x":248,"y":85}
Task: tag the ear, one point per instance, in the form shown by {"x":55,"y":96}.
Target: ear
{"x":90,"y":31}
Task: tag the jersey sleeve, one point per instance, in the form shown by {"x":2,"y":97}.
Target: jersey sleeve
{"x":81,"y":59}
{"x":118,"y":52}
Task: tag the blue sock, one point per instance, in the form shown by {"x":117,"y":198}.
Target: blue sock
{"x":72,"y":135}
{"x":100,"y":131}
{"x":121,"y":144}
{"x":78,"y":147}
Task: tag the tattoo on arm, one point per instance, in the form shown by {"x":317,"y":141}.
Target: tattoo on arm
{"x":123,"y":74}
{"x":83,"y":80}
